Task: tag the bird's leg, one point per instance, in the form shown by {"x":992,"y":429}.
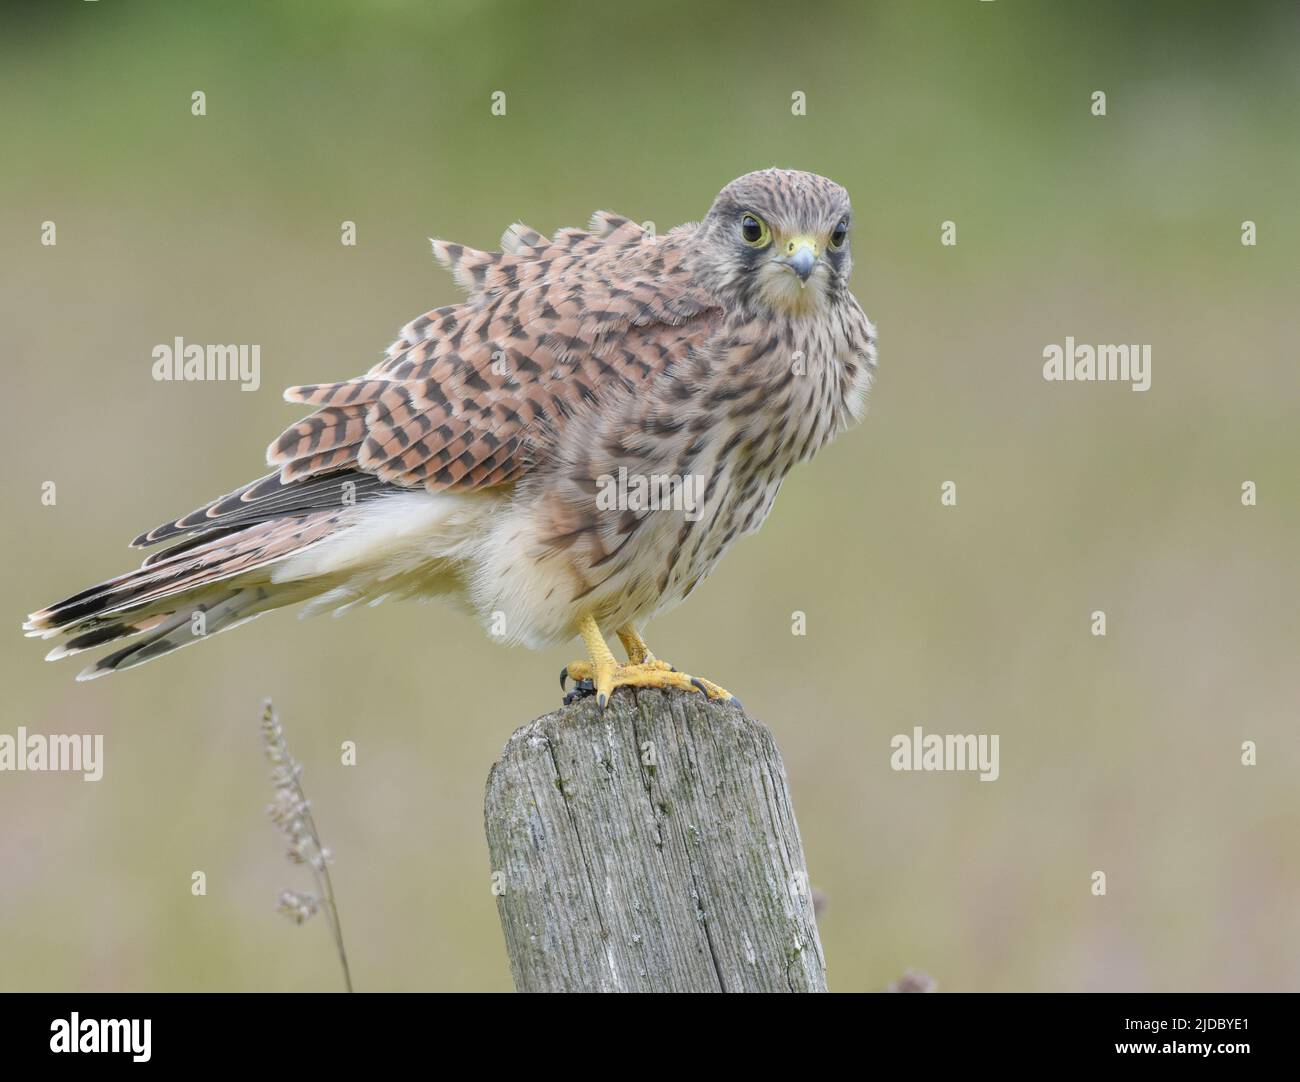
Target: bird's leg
{"x":638,"y":653}
{"x":634,"y":645}
{"x":643,"y":669}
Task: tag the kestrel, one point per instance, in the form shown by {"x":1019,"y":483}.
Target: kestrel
{"x":568,"y":451}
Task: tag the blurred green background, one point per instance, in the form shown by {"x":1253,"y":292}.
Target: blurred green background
{"x":1118,"y":753}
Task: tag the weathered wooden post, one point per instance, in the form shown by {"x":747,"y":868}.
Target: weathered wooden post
{"x":652,"y":848}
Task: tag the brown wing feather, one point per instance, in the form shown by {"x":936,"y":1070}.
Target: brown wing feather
{"x":266,"y":498}
{"x":469,"y":389}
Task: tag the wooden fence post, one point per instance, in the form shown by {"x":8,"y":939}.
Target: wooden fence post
{"x":651,"y":848}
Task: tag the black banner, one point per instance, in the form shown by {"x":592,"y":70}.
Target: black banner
{"x":169,"y":1031}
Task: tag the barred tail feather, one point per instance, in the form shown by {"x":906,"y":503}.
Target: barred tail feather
{"x":184,"y":595}
{"x":221,"y":612}
{"x":403,"y":545}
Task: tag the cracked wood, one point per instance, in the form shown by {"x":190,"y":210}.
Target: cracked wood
{"x":652,"y":848}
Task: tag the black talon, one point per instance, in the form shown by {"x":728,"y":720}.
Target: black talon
{"x":564,"y":677}
{"x":601,"y":701}
{"x":699,"y":685}
{"x":735,"y":701}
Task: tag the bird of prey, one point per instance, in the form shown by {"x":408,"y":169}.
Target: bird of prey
{"x":567,"y":452}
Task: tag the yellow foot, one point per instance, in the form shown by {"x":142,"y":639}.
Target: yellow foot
{"x":602,"y":679}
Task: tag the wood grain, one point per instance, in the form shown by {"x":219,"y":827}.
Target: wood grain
{"x":652,"y":848}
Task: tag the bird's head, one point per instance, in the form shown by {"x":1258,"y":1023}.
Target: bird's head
{"x":778,"y":240}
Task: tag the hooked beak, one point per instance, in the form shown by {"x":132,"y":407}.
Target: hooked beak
{"x":801,"y":257}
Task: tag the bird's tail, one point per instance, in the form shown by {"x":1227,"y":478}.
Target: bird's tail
{"x":183,"y":595}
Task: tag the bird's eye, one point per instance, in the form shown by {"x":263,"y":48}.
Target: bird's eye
{"x":840,"y":234}
{"x":754,"y":230}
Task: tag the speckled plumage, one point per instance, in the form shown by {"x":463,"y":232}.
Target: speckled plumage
{"x":466,"y":463}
